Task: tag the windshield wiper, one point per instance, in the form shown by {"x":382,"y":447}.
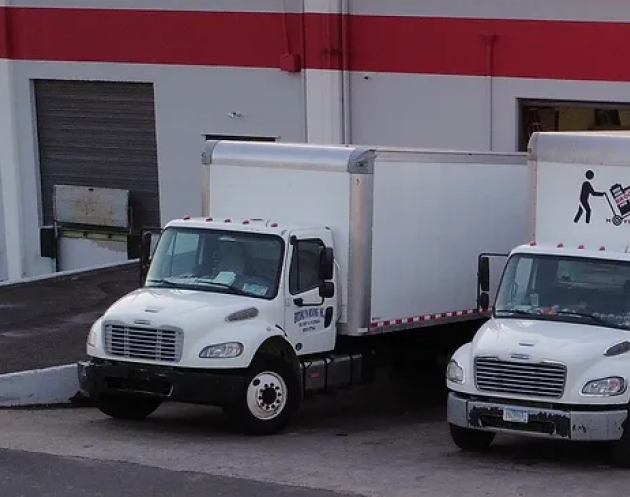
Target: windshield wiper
{"x":518,"y":312}
{"x":567,"y":312}
{"x":163,"y":281}
{"x":227,"y":286}
{"x":587,"y":315}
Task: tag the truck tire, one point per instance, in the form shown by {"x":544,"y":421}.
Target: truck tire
{"x":126,"y":406}
{"x":471,"y":440}
{"x":270,"y":399}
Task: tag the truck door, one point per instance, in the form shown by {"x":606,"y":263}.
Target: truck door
{"x":310,"y":318}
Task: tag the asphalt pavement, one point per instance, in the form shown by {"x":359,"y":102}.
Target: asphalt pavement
{"x":28,"y":474}
{"x":381,"y":441}
{"x":45,"y":323}
{"x":389,"y":439}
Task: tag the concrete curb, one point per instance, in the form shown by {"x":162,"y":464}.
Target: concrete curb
{"x":70,"y":274}
{"x":57,"y":385}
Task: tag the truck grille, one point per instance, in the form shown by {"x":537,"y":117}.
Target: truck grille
{"x":539,"y":380}
{"x":143,"y":343}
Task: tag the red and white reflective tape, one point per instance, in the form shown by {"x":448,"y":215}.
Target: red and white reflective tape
{"x":420,"y":319}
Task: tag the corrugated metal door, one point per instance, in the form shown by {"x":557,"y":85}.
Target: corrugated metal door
{"x":99,"y":134}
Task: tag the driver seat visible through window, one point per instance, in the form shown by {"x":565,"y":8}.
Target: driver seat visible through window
{"x":231,"y":258}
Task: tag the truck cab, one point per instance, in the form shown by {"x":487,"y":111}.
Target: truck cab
{"x":553,"y":359}
{"x":251,"y":295}
{"x":249,"y":269}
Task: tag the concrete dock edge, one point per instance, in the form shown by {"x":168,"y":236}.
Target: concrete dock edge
{"x":57,"y":385}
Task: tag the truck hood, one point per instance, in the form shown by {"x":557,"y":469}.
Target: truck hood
{"x":176,"y":307}
{"x":545,"y":340}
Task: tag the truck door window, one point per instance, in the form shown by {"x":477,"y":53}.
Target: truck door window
{"x":522,"y":280}
{"x":304,"y":270}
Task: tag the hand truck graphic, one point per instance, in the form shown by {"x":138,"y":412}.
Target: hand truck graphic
{"x":621,"y":205}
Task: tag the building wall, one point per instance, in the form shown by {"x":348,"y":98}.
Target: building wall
{"x":422,"y":69}
{"x":190,"y":102}
{"x":3,"y":246}
{"x":437,"y":73}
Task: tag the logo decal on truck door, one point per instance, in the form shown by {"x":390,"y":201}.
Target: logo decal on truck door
{"x":309,"y":319}
{"x":617,"y":197}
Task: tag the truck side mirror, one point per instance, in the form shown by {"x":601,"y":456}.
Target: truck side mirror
{"x":483,"y":274}
{"x":484,"y":301}
{"x":326,"y":264}
{"x":327,"y":290}
{"x":148,"y":240}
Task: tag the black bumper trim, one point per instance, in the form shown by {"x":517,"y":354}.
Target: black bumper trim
{"x":194,"y":386}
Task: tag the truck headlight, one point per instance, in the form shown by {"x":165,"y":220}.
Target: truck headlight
{"x":613,"y":385}
{"x":454,"y":372}
{"x":91,"y":338}
{"x":226,"y":350}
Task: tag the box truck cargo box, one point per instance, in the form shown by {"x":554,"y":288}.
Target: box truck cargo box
{"x":408,"y":225}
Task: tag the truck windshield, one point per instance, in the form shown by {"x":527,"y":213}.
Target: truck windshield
{"x":569,"y":289}
{"x":233,"y":262}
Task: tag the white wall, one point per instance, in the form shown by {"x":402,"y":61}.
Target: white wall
{"x":454,"y":111}
{"x":419,"y":111}
{"x":600,"y":10}
{"x":3,"y":248}
{"x":201,"y":5}
{"x":13,"y":245}
{"x":190,"y":102}
{"x":578,"y":10}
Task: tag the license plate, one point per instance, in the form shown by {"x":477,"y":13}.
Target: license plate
{"x":515,"y":416}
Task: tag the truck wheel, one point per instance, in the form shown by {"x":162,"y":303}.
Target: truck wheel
{"x":471,"y":440}
{"x":126,"y":407}
{"x":270,"y":400}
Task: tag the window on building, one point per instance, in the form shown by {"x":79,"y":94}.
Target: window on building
{"x":547,"y":115}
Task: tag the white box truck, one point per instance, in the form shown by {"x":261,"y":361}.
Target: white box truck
{"x":303,"y":256}
{"x":553,"y":360}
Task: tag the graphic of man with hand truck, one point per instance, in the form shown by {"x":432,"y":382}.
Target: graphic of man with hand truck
{"x":585,"y":194}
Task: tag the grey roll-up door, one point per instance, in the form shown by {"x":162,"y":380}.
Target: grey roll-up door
{"x":99,"y":134}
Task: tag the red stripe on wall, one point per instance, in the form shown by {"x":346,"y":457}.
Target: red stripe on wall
{"x":152,"y":37}
{"x":528,"y":49}
{"x":4,"y":33}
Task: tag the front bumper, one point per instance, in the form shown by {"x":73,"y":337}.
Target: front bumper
{"x":580,"y":425}
{"x":194,"y":386}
